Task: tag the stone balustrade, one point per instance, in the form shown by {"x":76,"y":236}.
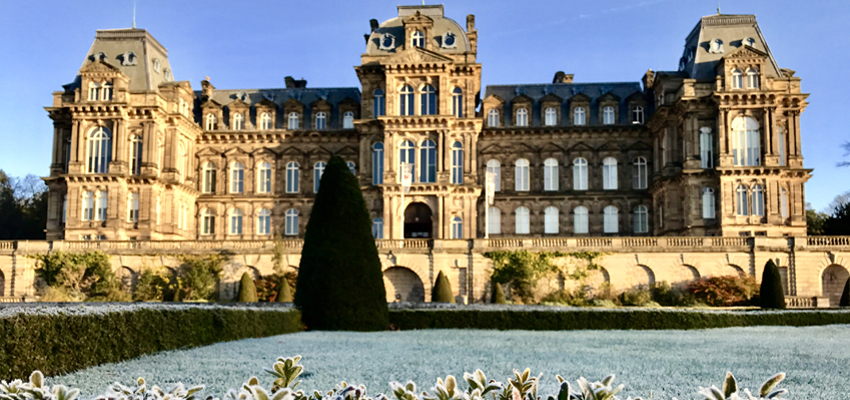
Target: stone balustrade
{"x":806,"y":302}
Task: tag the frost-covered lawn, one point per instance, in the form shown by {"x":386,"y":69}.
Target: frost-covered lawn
{"x":666,"y":363}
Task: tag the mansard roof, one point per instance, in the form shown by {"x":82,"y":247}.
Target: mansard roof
{"x":135,"y":53}
{"x":281,"y":95}
{"x":564,"y":90}
{"x":394,"y":27}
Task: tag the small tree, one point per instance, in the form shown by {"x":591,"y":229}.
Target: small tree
{"x":198,"y":276}
{"x":771,"y":293}
{"x":498,"y":294}
{"x":845,"y":295}
{"x":442,"y":292}
{"x":284,"y":293}
{"x":247,"y":290}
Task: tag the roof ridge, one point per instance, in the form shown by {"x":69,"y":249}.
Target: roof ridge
{"x":566,"y":84}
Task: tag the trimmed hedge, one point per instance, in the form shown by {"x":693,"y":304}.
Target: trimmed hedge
{"x":641,"y":319}
{"x":63,"y":343}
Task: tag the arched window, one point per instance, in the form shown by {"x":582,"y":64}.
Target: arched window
{"x":94,"y":91}
{"x":428,"y":158}
{"x":494,"y":221}
{"x":637,"y":115}
{"x":742,"y":200}
{"x":521,"y":117}
{"x":377,"y":163}
{"x":348,"y":120}
{"x":521,"y":175}
{"x":266,"y":121}
{"x":100,"y":151}
{"x":579,"y":116}
{"x":706,"y":148}
{"x":264,"y":177}
{"x":133,"y":207}
{"x":746,"y":148}
{"x":318,"y":171}
{"x":428,"y":100}
{"x":107,"y":91}
{"x":550,"y":117}
{"x":208,"y":185}
{"x":379,"y":105}
{"x":640,"y":177}
{"x":407,"y":152}
{"x":641,"y":219}
{"x":550,"y":223}
{"x":88,"y":205}
{"x":493,"y":118}
{"x":418,"y":39}
{"x":237,"y":177}
{"x":351,"y":167}
{"x":580,"y":220}
{"x":405,"y":104}
{"x":321,"y":120}
{"x":457,"y":163}
{"x":457,"y":102}
{"x":135,"y":154}
{"x":495,"y":167}
{"x":708,"y":203}
{"x":737,"y":79}
{"x":608,"y":115}
{"x":378,"y":228}
{"x":579,"y":174}
{"x":783,"y":202}
{"x":211,"y":122}
{"x":291,"y":222}
{"x":238,"y":122}
{"x":550,"y":174}
{"x":182,"y":160}
{"x":457,"y":228}
{"x":264,"y":222}
{"x":758,"y":200}
{"x":100,"y":205}
{"x":610,"y":223}
{"x":752,"y":79}
{"x":609,"y":173}
{"x":207,"y":222}
{"x":292,"y":177}
{"x":236,"y":222}
{"x":292,"y":122}
{"x":522,"y":221}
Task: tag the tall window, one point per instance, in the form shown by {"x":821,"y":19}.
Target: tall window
{"x":64,"y":216}
{"x":494,"y":221}
{"x":428,"y":100}
{"x":637,"y":115}
{"x":291,"y":222}
{"x":752,"y":79}
{"x":550,"y":175}
{"x":708,"y":203}
{"x":457,"y":163}
{"x":608,"y":115}
{"x":292,"y":177}
{"x":266,"y":121}
{"x":640,"y":177}
{"x":580,"y":220}
{"x":550,"y":117}
{"x":68,"y":153}
{"x":237,"y":177}
{"x":207,"y":222}
{"x":746,"y":148}
{"x":94,"y":91}
{"x":318,"y":171}
{"x":610,"y":223}
{"x":348,"y":120}
{"x":136,"y":155}
{"x":321,"y":120}
{"x":521,"y":117}
{"x":99,"y":151}
{"x":292,"y":122}
{"x":579,"y":174}
{"x":457,"y":102}
{"x":377,"y":163}
{"x":236,"y":221}
{"x":107,"y":91}
{"x":181,"y":216}
{"x":405,"y":104}
{"x":579,"y":116}
{"x":742,"y":200}
{"x":428,"y":158}
{"x":550,"y":223}
{"x":238,"y":122}
{"x":522,"y":221}
{"x":378,"y":228}
{"x":521,"y":175}
{"x":407,"y":153}
{"x":264,"y":177}
{"x":379,"y":105}
{"x":706,"y":149}
{"x":493,"y":118}
{"x":457,"y":228}
{"x":88,"y":206}
{"x":211,"y":122}
{"x":264,"y":222}
{"x":641,"y":219}
{"x":783,"y":202}
{"x":737,"y":79}
{"x":133,"y":207}
{"x":780,"y":137}
{"x":100,"y":205}
{"x":209,"y":178}
{"x":418,"y":39}
{"x":609,"y":173}
{"x":758,"y":200}
{"x":182,"y":160}
{"x":496,"y":168}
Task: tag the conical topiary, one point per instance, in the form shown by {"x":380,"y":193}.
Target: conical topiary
{"x":284,"y":293}
{"x":442,"y":292}
{"x":247,"y":289}
{"x":498,"y":294}
{"x":770,"y":293}
{"x":845,"y":295}
{"x":340,"y":285}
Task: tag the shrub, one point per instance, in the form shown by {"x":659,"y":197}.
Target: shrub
{"x":577,"y":298}
{"x":636,"y":296}
{"x":770,"y":293}
{"x":340,"y":284}
{"x":267,"y":290}
{"x":498,"y":294}
{"x":80,"y":276}
{"x":198,"y":275}
{"x":247,"y":290}
{"x":284,"y":293}
{"x":442,"y":291}
{"x":723,"y":291}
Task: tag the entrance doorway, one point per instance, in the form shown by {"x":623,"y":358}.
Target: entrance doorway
{"x":417,"y":221}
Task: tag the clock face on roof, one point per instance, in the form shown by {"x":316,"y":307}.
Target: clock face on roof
{"x":449,"y":40}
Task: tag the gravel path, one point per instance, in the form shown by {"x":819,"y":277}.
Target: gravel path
{"x":668,"y":363}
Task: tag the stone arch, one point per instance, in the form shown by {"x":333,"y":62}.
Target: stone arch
{"x":418,"y":221}
{"x":833,"y":279}
{"x":2,"y":284}
{"x":596,"y":278}
{"x":402,"y":284}
{"x":639,"y":275}
{"x":129,"y":278}
{"x":683,"y":274}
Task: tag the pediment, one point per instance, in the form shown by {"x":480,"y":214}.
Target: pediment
{"x":99,"y":66}
{"x":640,"y":146}
{"x":551,"y":147}
{"x":292,"y":151}
{"x":348,"y":101}
{"x":320,"y":102}
{"x":493,"y":99}
{"x":210,"y":104}
{"x":580,"y":146}
{"x":745,"y":52}
{"x":238,"y":103}
{"x":522,"y":99}
{"x":417,"y":18}
{"x":551,"y":98}
{"x":524,"y":148}
{"x":609,"y":96}
{"x":348,"y":151}
{"x":610,"y":146}
{"x":492,"y":149}
{"x":207,"y":152}
{"x":319,"y":150}
{"x":418,"y":55}
{"x":235,"y":152}
{"x":580,"y":98}
{"x":266,"y":103}
{"x":637,"y":95}
{"x":292,"y":103}
{"x":264,"y":151}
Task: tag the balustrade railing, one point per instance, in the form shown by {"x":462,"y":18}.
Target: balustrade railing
{"x":8,"y":244}
{"x":806,"y":302}
{"x":839,"y":241}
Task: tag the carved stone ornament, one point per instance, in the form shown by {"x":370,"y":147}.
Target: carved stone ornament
{"x":749,"y":41}
{"x":715,"y":46}
{"x":449,"y":40}
{"x":705,"y":130}
{"x":128,"y":59}
{"x":268,"y":94}
{"x":386,"y":41}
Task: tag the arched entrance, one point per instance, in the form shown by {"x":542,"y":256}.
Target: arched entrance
{"x":417,"y":221}
{"x":2,"y":284}
{"x":402,"y":284}
{"x":832,"y":282}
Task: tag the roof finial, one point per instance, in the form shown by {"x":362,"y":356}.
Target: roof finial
{"x":134,"y":14}
{"x":718,"y":7}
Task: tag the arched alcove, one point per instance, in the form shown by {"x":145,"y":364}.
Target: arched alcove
{"x":832,"y":283}
{"x":402,"y":284}
{"x":418,"y":221}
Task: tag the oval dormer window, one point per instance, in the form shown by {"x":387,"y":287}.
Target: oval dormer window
{"x":386,"y":42}
{"x":450,"y":39}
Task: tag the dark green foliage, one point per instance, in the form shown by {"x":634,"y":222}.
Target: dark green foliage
{"x":151,"y":286}
{"x":198,"y":275}
{"x":839,"y":222}
{"x":247,"y":290}
{"x":636,"y":296}
{"x":62,"y":343}
{"x":284,"y":293}
{"x":442,"y":291}
{"x":815,"y":222}
{"x":845,"y":295}
{"x":23,"y":208}
{"x":340,"y":285}
{"x":770,"y":292}
{"x":498,"y":294}
{"x":81,"y":276}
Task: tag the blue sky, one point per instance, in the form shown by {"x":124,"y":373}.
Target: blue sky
{"x":255,"y":44}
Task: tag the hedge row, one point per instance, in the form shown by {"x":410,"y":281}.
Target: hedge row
{"x":640,"y":319}
{"x":63,"y":343}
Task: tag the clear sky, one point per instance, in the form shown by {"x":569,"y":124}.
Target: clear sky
{"x":256,"y":43}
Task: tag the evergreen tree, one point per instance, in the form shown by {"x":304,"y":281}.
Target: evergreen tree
{"x":498,"y":294}
{"x":442,"y":292}
{"x":771,"y":294}
{"x":340,"y":285}
{"x":845,"y":295}
{"x":284,"y":292}
{"x":247,"y":289}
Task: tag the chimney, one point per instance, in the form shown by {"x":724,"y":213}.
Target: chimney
{"x":561,"y":77}
{"x":292,"y":83}
{"x":374,"y":24}
{"x":206,"y":89}
{"x":470,"y":22}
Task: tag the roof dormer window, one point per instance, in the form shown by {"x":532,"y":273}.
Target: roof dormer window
{"x":94,"y":91}
{"x":106,"y":93}
{"x":128,"y":59}
{"x":752,"y":79}
{"x":737,"y":79}
{"x":449,"y":41}
{"x":386,"y":42}
{"x":156,"y":65}
{"x":749,"y":41}
{"x":418,"y":39}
